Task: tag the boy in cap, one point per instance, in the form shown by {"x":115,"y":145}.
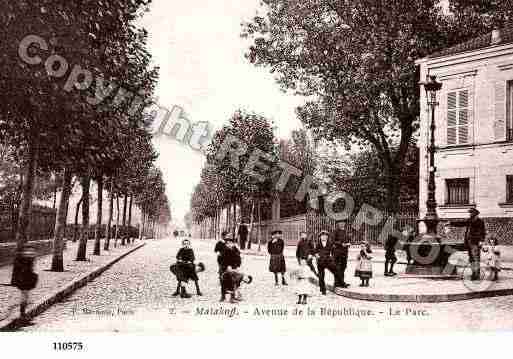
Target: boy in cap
{"x":277,"y":265}
{"x":186,"y":270}
{"x":305,"y":250}
{"x":229,"y":260}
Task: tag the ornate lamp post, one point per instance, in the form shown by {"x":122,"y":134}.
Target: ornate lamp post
{"x":430,"y":254}
{"x":431,"y":218}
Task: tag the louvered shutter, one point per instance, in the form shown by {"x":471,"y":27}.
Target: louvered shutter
{"x":463,"y":117}
{"x":499,"y":126}
{"x":452,"y":118}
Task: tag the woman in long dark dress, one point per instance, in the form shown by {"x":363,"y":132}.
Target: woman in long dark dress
{"x":277,"y":265}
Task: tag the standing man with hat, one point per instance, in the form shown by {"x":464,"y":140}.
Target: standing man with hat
{"x":325,"y":260}
{"x":243,"y":235}
{"x":275,"y":248}
{"x":475,"y":233}
{"x":341,"y":246}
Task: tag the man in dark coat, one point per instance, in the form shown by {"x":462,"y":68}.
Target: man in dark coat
{"x":243,"y":235}
{"x":185,"y":270}
{"x":325,"y":260}
{"x":341,"y":246}
{"x":475,"y":233}
{"x":219,"y":250}
{"x":277,"y":265}
{"x":390,"y":257}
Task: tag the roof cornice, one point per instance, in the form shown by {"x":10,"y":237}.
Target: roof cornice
{"x":469,"y":56}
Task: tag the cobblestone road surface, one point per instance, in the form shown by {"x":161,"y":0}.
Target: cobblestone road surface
{"x":136,"y":295}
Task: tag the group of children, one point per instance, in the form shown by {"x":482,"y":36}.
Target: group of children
{"x":229,"y":263}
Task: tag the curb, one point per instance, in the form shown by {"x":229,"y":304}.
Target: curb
{"x":417,"y":298}
{"x":63,"y":292}
{"x":264,"y":254}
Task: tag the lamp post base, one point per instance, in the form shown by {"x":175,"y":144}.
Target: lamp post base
{"x":431,"y":257}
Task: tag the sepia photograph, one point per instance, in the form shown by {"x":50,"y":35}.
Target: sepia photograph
{"x":237,"y":168}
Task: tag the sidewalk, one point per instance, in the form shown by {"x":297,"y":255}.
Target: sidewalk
{"x":52,"y":284}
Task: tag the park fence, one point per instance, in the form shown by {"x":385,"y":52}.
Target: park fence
{"x":42,"y":224}
{"x":314,"y":222}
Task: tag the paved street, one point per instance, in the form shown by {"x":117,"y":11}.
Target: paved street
{"x":136,"y":295}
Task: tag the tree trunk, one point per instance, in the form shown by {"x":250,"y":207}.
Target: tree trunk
{"x":393,"y":188}
{"x":228,"y":218}
{"x":123,"y":227}
{"x":141,"y":224}
{"x":60,"y":223}
{"x":54,"y":196}
{"x":234,"y":224}
{"x":259,"y":233}
{"x":116,"y":233}
{"x":97,"y":234}
{"x":250,"y":234}
{"x":26,"y":203}
{"x":75,"y":229}
{"x":130,"y":238}
{"x":82,"y":244}
{"x":109,"y":221}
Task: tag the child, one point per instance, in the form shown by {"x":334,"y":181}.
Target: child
{"x":364,"y":266}
{"x":25,"y":278}
{"x":186,"y":270}
{"x":231,"y":277}
{"x":493,"y":257}
{"x":303,"y":286}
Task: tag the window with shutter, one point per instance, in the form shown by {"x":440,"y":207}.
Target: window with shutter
{"x":458,"y":117}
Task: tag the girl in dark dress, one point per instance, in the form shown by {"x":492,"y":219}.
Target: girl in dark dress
{"x":186,"y":270}
{"x":277,"y":265}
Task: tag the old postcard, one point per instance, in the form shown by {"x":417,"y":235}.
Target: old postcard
{"x":232,"y":167}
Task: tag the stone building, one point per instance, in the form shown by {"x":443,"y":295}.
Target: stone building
{"x":474,"y":131}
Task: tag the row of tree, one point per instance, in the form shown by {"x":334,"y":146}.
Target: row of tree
{"x":355,"y":61}
{"x":84,"y":130}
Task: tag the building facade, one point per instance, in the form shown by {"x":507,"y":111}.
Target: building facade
{"x":474,"y":131}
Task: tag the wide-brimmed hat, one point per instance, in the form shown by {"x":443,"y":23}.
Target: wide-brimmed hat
{"x":276,"y":231}
{"x":473,"y":210}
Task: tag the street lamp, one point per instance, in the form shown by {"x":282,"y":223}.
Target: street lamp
{"x":431,"y":86}
{"x":431,"y":256}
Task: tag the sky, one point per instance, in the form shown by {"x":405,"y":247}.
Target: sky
{"x":197,"y":45}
